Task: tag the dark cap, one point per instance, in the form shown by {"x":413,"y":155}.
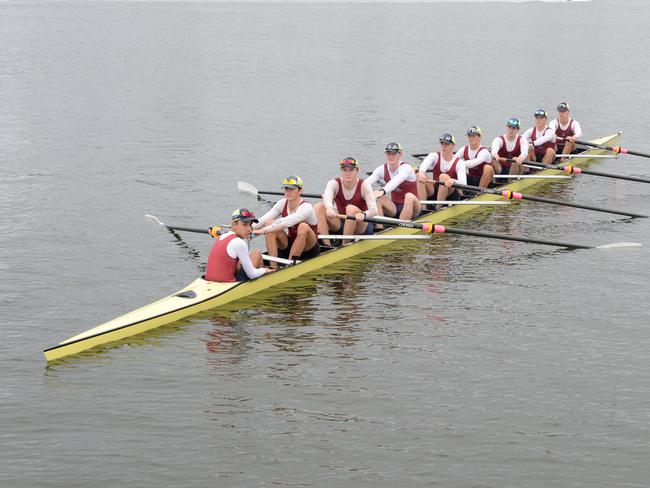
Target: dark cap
{"x":447,"y":138}
{"x":244,"y":215}
{"x":349,"y":162}
{"x":563,"y":107}
{"x":474,"y":130}
{"x":540,"y":113}
{"x":394,"y":147}
{"x":513,"y":122}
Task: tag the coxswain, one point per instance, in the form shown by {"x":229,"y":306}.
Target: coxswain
{"x":510,"y":145}
{"x":230,"y":259}
{"x":298,"y":217}
{"x":541,"y":137}
{"x":567,"y":130}
{"x":478,"y":159}
{"x":447,"y":168}
{"x":346,"y":195}
{"x":400,"y":182}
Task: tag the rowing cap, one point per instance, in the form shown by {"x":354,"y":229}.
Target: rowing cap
{"x":292,"y":182}
{"x":563,"y":107}
{"x":244,"y":215}
{"x":447,"y":138}
{"x":474,"y":130}
{"x":514,"y":123}
{"x":540,"y":113}
{"x":349,"y":163}
{"x":394,"y":147}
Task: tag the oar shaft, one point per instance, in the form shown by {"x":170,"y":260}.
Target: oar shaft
{"x":567,"y":168}
{"x":616,"y":149}
{"x":305,"y":195}
{"x":187,"y":229}
{"x":507,"y":194}
{"x":439,"y":229}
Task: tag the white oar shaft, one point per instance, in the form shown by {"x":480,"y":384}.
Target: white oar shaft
{"x":266,"y":257}
{"x":588,"y":156}
{"x":463,"y":202}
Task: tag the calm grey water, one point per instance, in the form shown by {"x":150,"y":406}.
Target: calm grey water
{"x":460,"y":362}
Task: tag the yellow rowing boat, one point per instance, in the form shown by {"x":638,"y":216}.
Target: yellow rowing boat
{"x":201,"y":295}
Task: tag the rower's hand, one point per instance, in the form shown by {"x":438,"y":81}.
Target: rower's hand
{"x":257,"y":232}
{"x":570,"y":138}
{"x":270,"y":270}
{"x":379,"y":193}
{"x":331,"y":212}
{"x":360,"y":216}
{"x":422,"y":176}
{"x":450,"y":182}
{"x":519,"y":160}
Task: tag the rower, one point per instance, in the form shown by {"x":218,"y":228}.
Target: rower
{"x":294,"y":214}
{"x":567,"y":130}
{"x":400,"y":181}
{"x":541,"y":139}
{"x":510,"y":145}
{"x":229,"y":259}
{"x":346,"y":195}
{"x":447,"y":167}
{"x":478,"y":160}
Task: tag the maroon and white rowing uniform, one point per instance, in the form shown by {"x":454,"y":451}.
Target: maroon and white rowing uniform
{"x":475,"y":159}
{"x":398,"y":183}
{"x":284,"y":219}
{"x":542,"y":139}
{"x":338,"y":197}
{"x":504,"y":148}
{"x":454,"y":168}
{"x":562,"y":131}
{"x":226,"y":254}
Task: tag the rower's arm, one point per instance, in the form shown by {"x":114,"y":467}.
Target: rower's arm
{"x":304,"y":213}
{"x":527,"y":135}
{"x":369,"y":197}
{"x":482,"y":157}
{"x":428,"y":162}
{"x":496,"y":145}
{"x":331,"y":189}
{"x":461,"y":172}
{"x":548,"y":136}
{"x":577,"y":130}
{"x":402,"y":175}
{"x":238,"y":248}
{"x":376,"y":176}
{"x":272,"y":214}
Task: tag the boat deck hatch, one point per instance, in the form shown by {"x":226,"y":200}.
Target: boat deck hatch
{"x":186,"y":294}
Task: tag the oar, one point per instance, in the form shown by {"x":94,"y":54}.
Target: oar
{"x":532,"y":177}
{"x":440,"y":229}
{"x":209,"y":230}
{"x":614,"y":149}
{"x":452,"y":203}
{"x":244,"y":187}
{"x":513,"y":195}
{"x":569,"y":169}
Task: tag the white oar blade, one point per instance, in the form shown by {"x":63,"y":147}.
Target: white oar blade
{"x":619,"y":244}
{"x":463,"y":202}
{"x":532,"y":177}
{"x":153,"y":218}
{"x":243,"y":187}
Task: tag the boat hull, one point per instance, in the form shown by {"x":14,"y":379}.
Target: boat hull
{"x":201,"y":295}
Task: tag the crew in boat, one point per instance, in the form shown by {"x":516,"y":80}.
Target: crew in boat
{"x":230,"y":259}
{"x":478,"y":159}
{"x":510,"y":145}
{"x":346,"y":195}
{"x":300,"y":241}
{"x":447,"y":168}
{"x":541,"y":137}
{"x":567,"y":130}
{"x":400,"y":182}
